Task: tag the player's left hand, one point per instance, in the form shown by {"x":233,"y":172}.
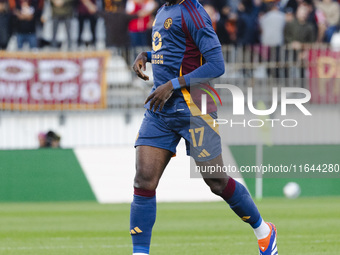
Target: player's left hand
{"x":159,"y":97}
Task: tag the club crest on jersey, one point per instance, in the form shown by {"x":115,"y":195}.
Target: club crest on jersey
{"x":168,"y":23}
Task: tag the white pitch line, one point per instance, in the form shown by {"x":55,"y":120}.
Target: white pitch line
{"x":111,"y":246}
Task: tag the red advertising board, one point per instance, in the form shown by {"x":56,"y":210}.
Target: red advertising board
{"x":324,"y":75}
{"x":53,"y":81}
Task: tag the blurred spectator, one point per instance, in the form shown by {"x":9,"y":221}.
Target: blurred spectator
{"x":299,"y":30}
{"x":233,"y":5}
{"x":311,"y":15}
{"x":40,"y":22}
{"x":247,"y":25}
{"x":129,"y":22}
{"x":272,"y":26}
{"x":331,"y":12}
{"x":138,"y":27}
{"x":49,"y":140}
{"x":159,"y":3}
{"x":261,"y":6}
{"x":52,"y":140}
{"x":42,"y":139}
{"x":290,"y":15}
{"x":224,"y":22}
{"x":62,"y":11}
{"x":218,"y":20}
{"x":213,"y":14}
{"x":321,"y":25}
{"x":231,"y":28}
{"x":86,"y":12}
{"x":290,"y":5}
{"x":116,"y":25}
{"x":38,"y":6}
{"x":113,"y":5}
{"x":221,"y":6}
{"x":5,"y":19}
{"x":26,"y":24}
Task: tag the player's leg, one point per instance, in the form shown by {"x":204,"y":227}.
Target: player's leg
{"x":150,"y":164}
{"x":204,"y":143}
{"x":234,"y":193}
{"x":156,"y":144}
{"x":241,"y":202}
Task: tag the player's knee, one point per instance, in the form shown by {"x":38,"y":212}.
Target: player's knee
{"x":217,"y":186}
{"x":216,"y":189}
{"x":145,"y":181}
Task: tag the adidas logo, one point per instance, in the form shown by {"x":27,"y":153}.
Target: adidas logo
{"x":204,"y":154}
{"x":135,"y":231}
{"x":244,"y":218}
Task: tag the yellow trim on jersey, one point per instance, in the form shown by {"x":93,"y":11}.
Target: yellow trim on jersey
{"x":192,"y":106}
{"x":195,"y":111}
{"x":181,"y":2}
{"x":210,"y":121}
{"x":186,"y":96}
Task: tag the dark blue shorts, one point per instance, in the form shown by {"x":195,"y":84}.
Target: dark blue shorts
{"x":202,"y":139}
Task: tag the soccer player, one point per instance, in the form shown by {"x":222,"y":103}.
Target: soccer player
{"x":184,"y":47}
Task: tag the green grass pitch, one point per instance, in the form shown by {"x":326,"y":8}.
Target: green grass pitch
{"x":305,"y":226}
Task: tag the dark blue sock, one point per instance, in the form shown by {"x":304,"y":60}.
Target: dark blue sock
{"x":240,"y":201}
{"x":142,"y":219}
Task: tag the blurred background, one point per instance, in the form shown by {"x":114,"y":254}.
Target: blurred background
{"x":71,"y":107}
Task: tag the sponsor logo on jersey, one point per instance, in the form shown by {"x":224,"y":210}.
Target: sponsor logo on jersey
{"x":156,"y":41}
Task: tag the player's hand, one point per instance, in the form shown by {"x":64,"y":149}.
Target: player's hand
{"x":159,"y":97}
{"x":140,"y":65}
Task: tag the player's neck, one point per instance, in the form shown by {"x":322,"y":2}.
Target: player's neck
{"x":172,"y":2}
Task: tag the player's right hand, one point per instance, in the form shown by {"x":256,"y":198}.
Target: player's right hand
{"x":140,"y":65}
